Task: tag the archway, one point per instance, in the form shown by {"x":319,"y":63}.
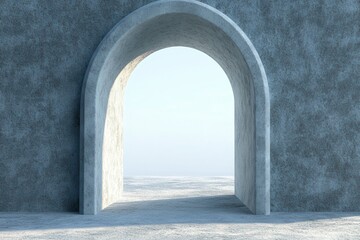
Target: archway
{"x":156,"y":26}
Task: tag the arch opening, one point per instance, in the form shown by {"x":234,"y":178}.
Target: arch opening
{"x":178,"y":117}
{"x":153,"y":27}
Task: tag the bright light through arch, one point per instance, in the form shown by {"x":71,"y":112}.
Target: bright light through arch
{"x":178,"y":116}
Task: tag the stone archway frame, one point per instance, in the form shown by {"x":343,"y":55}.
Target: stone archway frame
{"x":153,"y":27}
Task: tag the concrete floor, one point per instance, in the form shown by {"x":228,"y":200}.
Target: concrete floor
{"x":179,"y":208}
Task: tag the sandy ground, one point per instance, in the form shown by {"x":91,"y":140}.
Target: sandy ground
{"x":179,"y":208}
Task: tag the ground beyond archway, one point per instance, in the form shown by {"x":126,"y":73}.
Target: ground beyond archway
{"x":155,"y":26}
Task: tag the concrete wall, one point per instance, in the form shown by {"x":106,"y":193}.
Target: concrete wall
{"x":310,"y":50}
{"x":112,"y":146}
{"x":112,"y":154}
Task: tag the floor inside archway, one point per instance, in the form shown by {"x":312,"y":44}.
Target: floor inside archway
{"x":173,"y":200}
{"x":179,"y":208}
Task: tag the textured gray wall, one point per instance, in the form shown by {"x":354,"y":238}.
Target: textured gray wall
{"x":311,"y":53}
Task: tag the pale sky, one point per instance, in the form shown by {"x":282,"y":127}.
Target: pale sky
{"x":178,"y":116}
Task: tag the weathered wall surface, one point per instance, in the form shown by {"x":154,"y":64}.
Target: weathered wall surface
{"x":112,"y":154}
{"x":311,"y":53}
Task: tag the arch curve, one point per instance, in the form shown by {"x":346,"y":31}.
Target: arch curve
{"x":164,"y":24}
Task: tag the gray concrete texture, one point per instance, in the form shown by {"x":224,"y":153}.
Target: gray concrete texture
{"x":179,"y":208}
{"x":310,"y":51}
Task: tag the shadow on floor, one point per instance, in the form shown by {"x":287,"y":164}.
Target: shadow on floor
{"x":220,"y":209}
